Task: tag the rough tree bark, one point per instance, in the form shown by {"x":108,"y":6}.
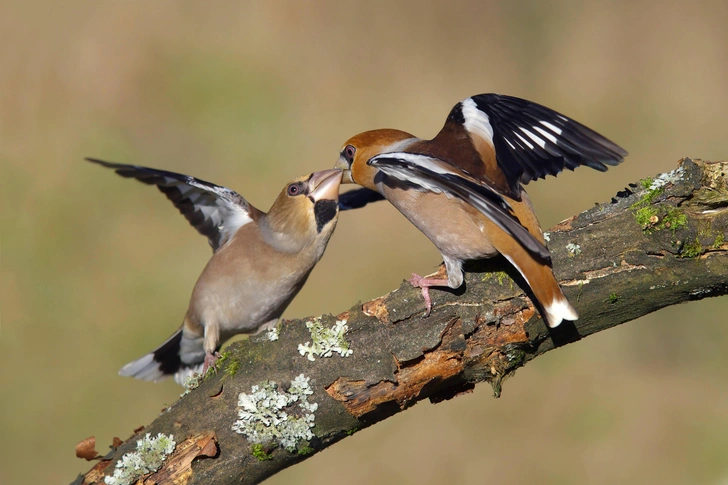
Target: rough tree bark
{"x":657,"y":243}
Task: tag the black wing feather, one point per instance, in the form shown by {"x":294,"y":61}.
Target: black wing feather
{"x":358,"y":198}
{"x":407,"y":168}
{"x":574,"y":145}
{"x":215,"y":211}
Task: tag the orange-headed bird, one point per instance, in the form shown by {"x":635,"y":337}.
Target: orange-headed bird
{"x":463,"y":189}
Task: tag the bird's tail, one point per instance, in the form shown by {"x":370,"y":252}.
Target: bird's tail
{"x":179,"y":356}
{"x":551,"y":301}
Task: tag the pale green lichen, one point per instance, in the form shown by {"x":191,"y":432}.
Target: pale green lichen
{"x":191,"y":382}
{"x":272,"y":334}
{"x":326,"y":341}
{"x":573,"y":249}
{"x":666,"y":178}
{"x":270,"y":416}
{"x":148,"y":458}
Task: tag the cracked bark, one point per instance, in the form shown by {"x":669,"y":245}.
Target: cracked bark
{"x":616,"y":262}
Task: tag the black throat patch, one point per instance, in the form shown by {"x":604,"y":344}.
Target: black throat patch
{"x":324,"y":211}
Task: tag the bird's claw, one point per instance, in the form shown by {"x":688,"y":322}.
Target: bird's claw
{"x":417,"y":281}
{"x":210,"y":359}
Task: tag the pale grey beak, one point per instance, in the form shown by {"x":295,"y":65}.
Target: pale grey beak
{"x":325,"y":184}
{"x":342,"y":164}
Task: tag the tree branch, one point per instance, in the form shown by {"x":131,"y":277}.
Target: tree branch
{"x":658,"y":243}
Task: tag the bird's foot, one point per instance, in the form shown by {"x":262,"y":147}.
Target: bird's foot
{"x":210,"y":359}
{"x":424,"y":283}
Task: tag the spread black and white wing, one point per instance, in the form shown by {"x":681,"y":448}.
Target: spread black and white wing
{"x":531,"y":140}
{"x":358,"y":198}
{"x":216,"y":212}
{"x":426,"y":173}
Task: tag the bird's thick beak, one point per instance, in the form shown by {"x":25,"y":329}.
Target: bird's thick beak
{"x":325,"y":184}
{"x":343,"y":165}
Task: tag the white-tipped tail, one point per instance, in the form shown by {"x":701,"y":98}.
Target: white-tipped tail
{"x":559,"y":310}
{"x":145,"y":368}
{"x":181,"y":375}
{"x":178,"y":356}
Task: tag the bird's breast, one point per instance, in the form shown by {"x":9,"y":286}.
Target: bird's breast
{"x":458,"y":230}
{"x":242,"y":288}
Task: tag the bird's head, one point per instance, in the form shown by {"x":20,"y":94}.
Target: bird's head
{"x":359,"y":149}
{"x":305,"y":212}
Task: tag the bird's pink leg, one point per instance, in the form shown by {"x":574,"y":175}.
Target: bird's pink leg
{"x":425,"y":283}
{"x":210,"y":359}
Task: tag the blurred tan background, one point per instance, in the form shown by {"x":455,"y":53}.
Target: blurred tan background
{"x":97,"y":270}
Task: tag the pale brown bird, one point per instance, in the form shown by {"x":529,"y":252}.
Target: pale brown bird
{"x":260,"y":261}
{"x":463,"y":190}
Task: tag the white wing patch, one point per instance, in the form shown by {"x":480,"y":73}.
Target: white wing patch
{"x":532,"y":141}
{"x":432,"y":164}
{"x":553,"y":128}
{"x":476,"y":121}
{"x":525,"y":141}
{"x":224,"y":213}
{"x":215,"y":211}
{"x":536,"y":139}
{"x":546,"y":134}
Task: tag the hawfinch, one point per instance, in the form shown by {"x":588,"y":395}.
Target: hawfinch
{"x":463,"y":190}
{"x":260,"y":261}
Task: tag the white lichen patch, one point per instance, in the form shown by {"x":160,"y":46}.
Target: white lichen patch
{"x":191,"y":382}
{"x":148,"y":458}
{"x":666,"y":178}
{"x":326,"y":341}
{"x":269,"y":415}
{"x":272,"y":334}
{"x":574,"y":249}
{"x":547,"y":236}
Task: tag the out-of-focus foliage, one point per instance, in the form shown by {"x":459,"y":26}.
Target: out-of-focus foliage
{"x":97,"y":270}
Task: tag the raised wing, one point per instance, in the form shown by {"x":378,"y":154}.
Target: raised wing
{"x":531,"y":140}
{"x":358,"y":198}
{"x":216,"y":212}
{"x":434,"y":175}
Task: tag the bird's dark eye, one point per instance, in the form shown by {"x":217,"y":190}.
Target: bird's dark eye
{"x":349,"y":152}
{"x":294,"y":189}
